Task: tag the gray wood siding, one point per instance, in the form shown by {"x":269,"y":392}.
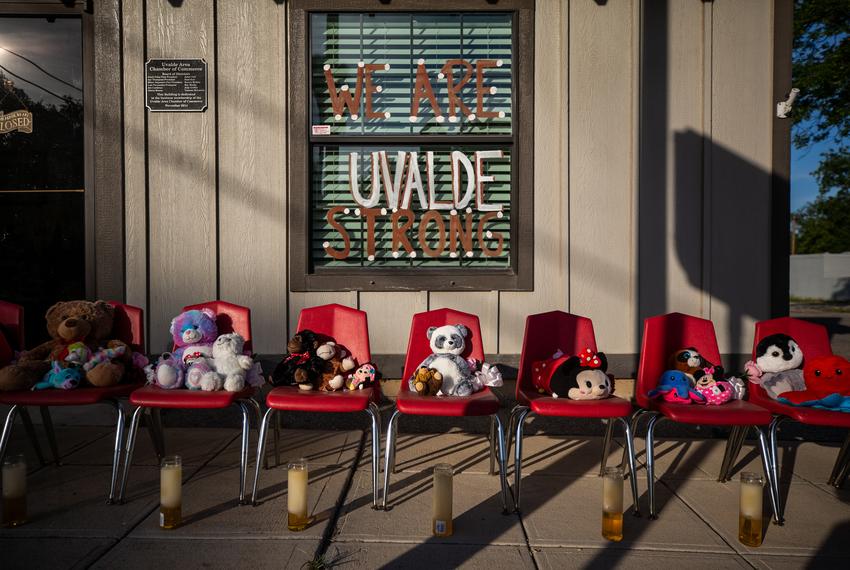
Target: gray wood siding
{"x":653,"y":131}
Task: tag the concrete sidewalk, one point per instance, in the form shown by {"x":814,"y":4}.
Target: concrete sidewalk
{"x":71,"y":526}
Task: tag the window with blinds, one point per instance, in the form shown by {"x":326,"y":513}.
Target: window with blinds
{"x":413,"y":129}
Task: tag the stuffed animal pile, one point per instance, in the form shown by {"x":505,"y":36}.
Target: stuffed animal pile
{"x":314,"y":362}
{"x":691,"y":379}
{"x":203,"y":359}
{"x":80,"y":352}
{"x":445,"y":372}
{"x":581,"y":377}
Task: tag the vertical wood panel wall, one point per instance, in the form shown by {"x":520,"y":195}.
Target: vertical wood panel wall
{"x":652,"y":126}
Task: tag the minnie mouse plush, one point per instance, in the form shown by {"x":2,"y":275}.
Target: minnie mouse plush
{"x":582,"y":377}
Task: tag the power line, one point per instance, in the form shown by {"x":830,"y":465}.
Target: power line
{"x":37,"y":66}
{"x":45,"y":89}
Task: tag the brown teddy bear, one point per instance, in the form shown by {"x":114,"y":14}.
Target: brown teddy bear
{"x":337,"y":364}
{"x":68,"y":323}
{"x":426,"y":381}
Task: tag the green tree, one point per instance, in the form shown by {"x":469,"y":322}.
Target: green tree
{"x":821,"y":69}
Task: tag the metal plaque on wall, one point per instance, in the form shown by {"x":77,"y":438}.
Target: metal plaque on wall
{"x":176,"y":85}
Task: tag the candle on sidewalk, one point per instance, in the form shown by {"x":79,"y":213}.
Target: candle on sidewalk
{"x":442,"y":501}
{"x":171,"y":492}
{"x":612,"y":504}
{"x":296,"y":490}
{"x":14,"y":490}
{"x":750,"y":516}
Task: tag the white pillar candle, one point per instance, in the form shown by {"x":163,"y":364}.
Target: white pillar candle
{"x":752,"y":496}
{"x":14,"y":479}
{"x":171,"y":486}
{"x":442,"y":519}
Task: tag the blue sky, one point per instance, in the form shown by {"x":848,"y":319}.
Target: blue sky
{"x":804,"y":187}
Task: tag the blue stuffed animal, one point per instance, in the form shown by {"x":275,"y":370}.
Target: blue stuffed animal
{"x":674,"y":386}
{"x":58,"y":377}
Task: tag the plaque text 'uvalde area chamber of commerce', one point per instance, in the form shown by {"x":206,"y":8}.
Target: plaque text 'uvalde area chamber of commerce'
{"x":176,"y":85}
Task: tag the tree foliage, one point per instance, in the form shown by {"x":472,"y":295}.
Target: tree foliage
{"x":821,"y":69}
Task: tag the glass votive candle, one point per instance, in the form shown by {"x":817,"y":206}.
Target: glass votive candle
{"x":750,"y":516}
{"x":612,"y":504}
{"x":442,"y":500}
{"x":296,"y":495}
{"x":171,"y":492}
{"x":14,"y":490}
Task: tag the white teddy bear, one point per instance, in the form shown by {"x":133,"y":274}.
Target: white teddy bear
{"x":447,"y":344}
{"x":229,"y":362}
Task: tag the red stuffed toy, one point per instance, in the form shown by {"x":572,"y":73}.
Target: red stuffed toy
{"x":824,"y":375}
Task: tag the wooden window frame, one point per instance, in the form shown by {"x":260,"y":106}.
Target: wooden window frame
{"x":520,"y":275}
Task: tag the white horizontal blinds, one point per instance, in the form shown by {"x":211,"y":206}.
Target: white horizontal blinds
{"x":391,"y":74}
{"x":451,"y":238}
{"x":385,"y":49}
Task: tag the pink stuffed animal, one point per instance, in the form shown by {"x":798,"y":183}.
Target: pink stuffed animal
{"x":193,"y":333}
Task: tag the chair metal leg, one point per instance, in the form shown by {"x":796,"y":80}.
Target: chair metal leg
{"x":606,"y":444}
{"x":842,"y":475}
{"x":733,"y":450}
{"x":243,"y":456}
{"x":389,"y":456}
{"x":258,"y":416}
{"x":730,"y":443}
{"x":7,"y":430}
{"x":510,"y":433}
{"x":492,"y":445}
{"x":30,"y":429}
{"x":156,"y":432}
{"x":277,"y":440}
{"x":840,"y":460}
{"x":633,"y":424}
{"x":261,"y":451}
{"x":119,"y":448}
{"x":47,"y":421}
{"x":630,"y":449}
{"x":503,"y":479}
{"x":521,"y":413}
{"x":375,"y":416}
{"x":770,"y":474}
{"x":650,"y":464}
{"x":131,"y":446}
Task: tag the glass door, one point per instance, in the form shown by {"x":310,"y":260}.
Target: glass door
{"x":42,"y":185}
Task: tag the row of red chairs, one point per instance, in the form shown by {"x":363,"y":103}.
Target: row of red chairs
{"x":544,"y":334}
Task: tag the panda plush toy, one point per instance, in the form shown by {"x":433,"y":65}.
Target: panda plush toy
{"x":582,"y":377}
{"x":778,"y":365}
{"x":447,"y":345}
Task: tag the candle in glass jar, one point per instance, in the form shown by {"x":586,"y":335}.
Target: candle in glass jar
{"x":296,"y":491}
{"x":171,"y":492}
{"x":750,"y":516}
{"x":442,"y":524}
{"x":612,"y":504}
{"x":14,"y":490}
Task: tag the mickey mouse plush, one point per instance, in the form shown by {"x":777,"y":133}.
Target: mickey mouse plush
{"x":582,"y":377}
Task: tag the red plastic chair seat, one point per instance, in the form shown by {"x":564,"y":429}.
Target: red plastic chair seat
{"x":293,"y":399}
{"x":735,"y":413}
{"x":74,"y":397}
{"x":483,"y":403}
{"x":543,"y":405}
{"x":804,"y":415}
{"x":155,"y":397}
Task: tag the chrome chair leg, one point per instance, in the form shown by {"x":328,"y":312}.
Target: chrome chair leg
{"x":492,"y":440}
{"x":375,"y":416}
{"x":277,"y":440}
{"x":389,"y":459}
{"x":521,"y":413}
{"x":511,"y":428}
{"x":243,"y":456}
{"x":733,"y":450}
{"x":131,"y":446}
{"x":650,"y":464}
{"x":47,"y":422}
{"x":630,"y":451}
{"x":117,"y":451}
{"x":840,"y":460}
{"x":258,"y":416}
{"x":30,"y":429}
{"x":156,"y":431}
{"x":503,"y":479}
{"x":606,"y":444}
{"x":842,"y":475}
{"x":769,"y":472}
{"x":7,"y":430}
{"x":633,"y":424}
{"x":261,"y":451}
{"x":730,"y":444}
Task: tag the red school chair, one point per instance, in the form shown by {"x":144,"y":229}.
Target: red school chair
{"x":546,"y":333}
{"x":813,"y":341}
{"x":127,"y":327}
{"x":350,"y":329}
{"x":229,"y":318}
{"x":662,"y":335}
{"x":483,"y":403}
